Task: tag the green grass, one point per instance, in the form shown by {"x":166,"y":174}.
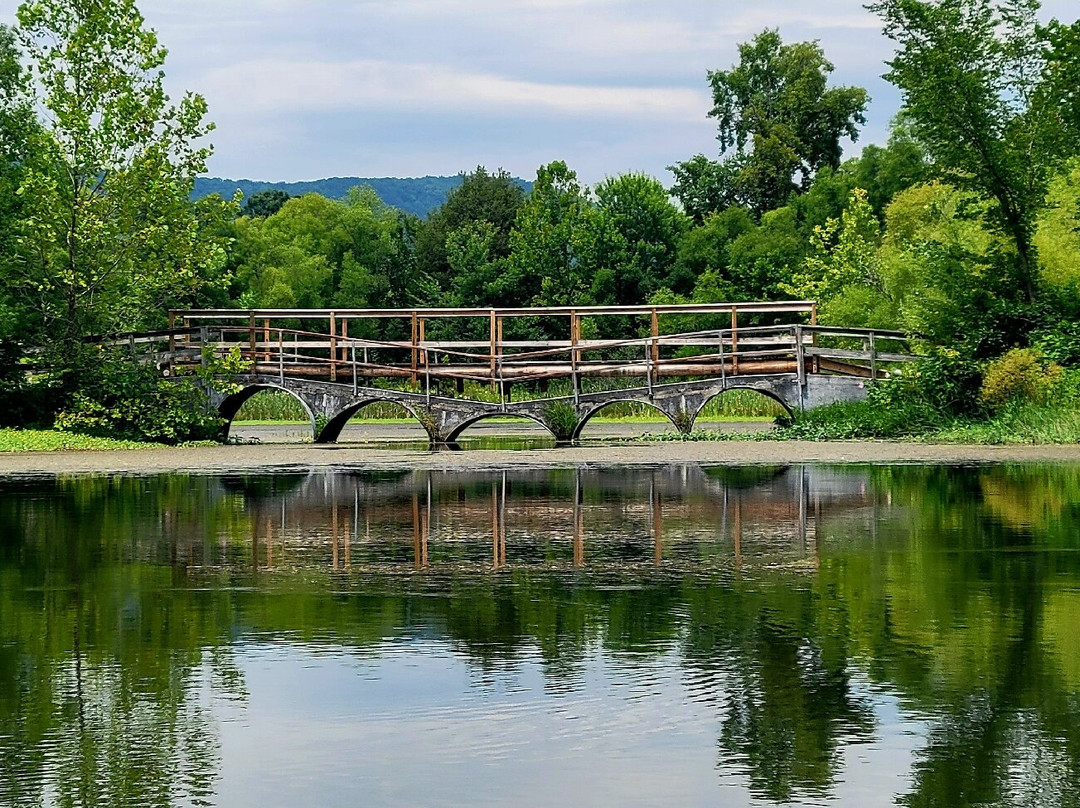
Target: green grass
{"x":1019,"y":424}
{"x":48,"y":440}
{"x":1025,"y":424}
{"x":735,"y":405}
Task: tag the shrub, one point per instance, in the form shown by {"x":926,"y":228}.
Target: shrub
{"x":130,"y":401}
{"x":1021,"y":375}
{"x":1060,"y":343}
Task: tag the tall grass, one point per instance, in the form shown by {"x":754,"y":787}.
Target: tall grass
{"x":277,"y":406}
{"x":1017,"y":424}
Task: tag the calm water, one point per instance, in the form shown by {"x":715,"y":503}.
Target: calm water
{"x":680,"y":637}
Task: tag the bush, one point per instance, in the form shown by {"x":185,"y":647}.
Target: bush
{"x":1059,"y":343}
{"x":130,"y":401}
{"x":1022,"y":375}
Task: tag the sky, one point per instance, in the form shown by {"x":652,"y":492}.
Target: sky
{"x":308,"y":89}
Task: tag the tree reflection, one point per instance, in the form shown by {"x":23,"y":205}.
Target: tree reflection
{"x":954,"y":589}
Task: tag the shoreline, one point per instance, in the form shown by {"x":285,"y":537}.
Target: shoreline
{"x":282,"y":456}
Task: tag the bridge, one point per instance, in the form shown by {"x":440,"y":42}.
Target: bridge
{"x":451,"y":368}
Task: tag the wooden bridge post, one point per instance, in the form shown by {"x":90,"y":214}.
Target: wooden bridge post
{"x":655,"y":370}
{"x":813,"y":336}
{"x":499,"y":353}
{"x":281,"y":357}
{"x":491,"y":348}
{"x":575,"y":354}
{"x":800,"y":355}
{"x":333,"y":347}
{"x":172,"y":341}
{"x":251,"y":341}
{"x":734,"y":341}
{"x":266,"y":339}
{"x":873,"y":357}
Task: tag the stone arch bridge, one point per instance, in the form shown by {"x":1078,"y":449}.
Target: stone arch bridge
{"x":452,"y":368}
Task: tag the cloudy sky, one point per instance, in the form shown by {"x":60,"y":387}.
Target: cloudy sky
{"x":306,"y":89}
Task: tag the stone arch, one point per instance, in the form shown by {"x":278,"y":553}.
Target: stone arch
{"x":230,"y":405}
{"x":590,"y":414}
{"x":332,"y":431}
{"x":765,"y":392}
{"x":455,"y":433}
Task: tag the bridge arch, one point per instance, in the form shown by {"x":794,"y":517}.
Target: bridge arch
{"x":592,"y":413}
{"x":769,"y":394}
{"x":231,"y":405}
{"x":332,"y":431}
{"x":456,"y":432}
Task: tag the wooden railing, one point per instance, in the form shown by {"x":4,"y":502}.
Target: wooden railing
{"x":274,"y":344}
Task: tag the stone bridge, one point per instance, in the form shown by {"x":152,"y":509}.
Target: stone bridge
{"x":674,"y":358}
{"x":330,"y":405}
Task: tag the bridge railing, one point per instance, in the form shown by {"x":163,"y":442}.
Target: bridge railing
{"x":275,"y":345}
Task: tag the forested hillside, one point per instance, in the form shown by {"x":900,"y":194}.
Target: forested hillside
{"x":415,"y":195}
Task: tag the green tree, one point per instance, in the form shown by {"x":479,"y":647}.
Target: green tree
{"x":990,"y":93}
{"x":107,"y":231}
{"x":546,"y":242}
{"x":642,"y":215}
{"x":704,"y":186}
{"x":776,"y":111}
{"x":843,"y":269}
{"x":265,"y":203}
{"x":482,"y":197}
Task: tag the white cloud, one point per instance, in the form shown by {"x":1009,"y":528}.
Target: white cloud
{"x":262,"y":86}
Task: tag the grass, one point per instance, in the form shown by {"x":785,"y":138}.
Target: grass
{"x":1025,"y":424}
{"x":735,"y":405}
{"x":1019,"y":424}
{"x":48,"y":440}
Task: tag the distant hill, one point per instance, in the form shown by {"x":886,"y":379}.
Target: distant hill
{"x":416,"y":195}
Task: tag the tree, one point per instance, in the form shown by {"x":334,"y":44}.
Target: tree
{"x":265,"y":203}
{"x":545,"y":256}
{"x":641,"y":213}
{"x":108,"y":231}
{"x":991,"y":94}
{"x":704,"y":186}
{"x":779,"y":120}
{"x":482,"y":197}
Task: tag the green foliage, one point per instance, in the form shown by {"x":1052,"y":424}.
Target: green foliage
{"x":1059,"y":343}
{"x":1022,"y":375}
{"x":776,"y":110}
{"x":549,"y":237}
{"x":265,"y":203}
{"x":648,"y":228}
{"x":107,"y":232}
{"x":952,"y":277}
{"x":704,"y":187}
{"x":844,"y":258}
{"x":1057,"y":234}
{"x":494,"y":198}
{"x":562,"y":419}
{"x":983,"y":91}
{"x":117,"y":398}
{"x":415,"y":196}
{"x":41,"y":440}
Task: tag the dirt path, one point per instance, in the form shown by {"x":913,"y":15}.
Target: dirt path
{"x":293,"y":456}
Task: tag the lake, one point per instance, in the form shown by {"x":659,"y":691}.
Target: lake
{"x":677,"y":636}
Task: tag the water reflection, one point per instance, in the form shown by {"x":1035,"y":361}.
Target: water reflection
{"x":680,"y":635}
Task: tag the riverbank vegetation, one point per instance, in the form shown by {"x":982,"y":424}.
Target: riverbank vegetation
{"x":962,"y":230}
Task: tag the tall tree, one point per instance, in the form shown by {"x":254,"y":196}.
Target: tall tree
{"x":650,"y":225}
{"x":482,"y":197}
{"x":108,"y":231}
{"x":992,"y":95}
{"x":779,"y":121}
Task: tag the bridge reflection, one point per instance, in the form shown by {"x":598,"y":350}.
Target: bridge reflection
{"x":430,"y":520}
